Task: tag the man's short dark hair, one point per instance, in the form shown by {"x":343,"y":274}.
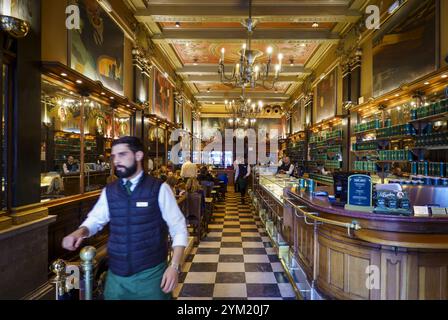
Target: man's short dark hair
{"x":134,"y":143}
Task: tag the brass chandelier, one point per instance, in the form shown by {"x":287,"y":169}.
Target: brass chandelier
{"x":243,"y":111}
{"x":247,"y":72}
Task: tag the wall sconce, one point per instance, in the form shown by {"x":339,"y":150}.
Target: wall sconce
{"x":15,"y":27}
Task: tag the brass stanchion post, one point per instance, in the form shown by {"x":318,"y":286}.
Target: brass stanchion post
{"x":58,"y":267}
{"x":87,"y":256}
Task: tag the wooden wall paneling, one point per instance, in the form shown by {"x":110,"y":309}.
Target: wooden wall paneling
{"x":432,"y":282}
{"x":432,"y":276}
{"x":412,"y":283}
{"x":355,"y":276}
{"x":309,"y":244}
{"x":342,"y":266}
{"x":288,"y":223}
{"x":393,"y":275}
{"x":69,"y":217}
{"x":375,"y":293}
{"x":304,"y":240}
{"x":336,"y":267}
{"x":323,"y":271}
{"x":67,"y":221}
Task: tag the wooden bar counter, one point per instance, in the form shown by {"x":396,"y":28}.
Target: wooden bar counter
{"x":388,"y":257}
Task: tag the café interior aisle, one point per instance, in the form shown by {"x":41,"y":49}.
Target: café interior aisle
{"x":235,"y":261}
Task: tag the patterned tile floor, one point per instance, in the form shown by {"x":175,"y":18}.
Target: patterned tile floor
{"x":236,"y":261}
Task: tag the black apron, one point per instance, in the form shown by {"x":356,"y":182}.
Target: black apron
{"x":241,"y":182}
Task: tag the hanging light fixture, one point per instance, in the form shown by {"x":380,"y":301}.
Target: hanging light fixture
{"x":243,"y":110}
{"x":248,"y":73}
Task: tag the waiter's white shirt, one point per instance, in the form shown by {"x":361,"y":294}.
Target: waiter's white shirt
{"x":291,"y":169}
{"x":175,"y":220}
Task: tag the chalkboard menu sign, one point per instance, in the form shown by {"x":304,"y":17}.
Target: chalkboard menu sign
{"x":360,"y":193}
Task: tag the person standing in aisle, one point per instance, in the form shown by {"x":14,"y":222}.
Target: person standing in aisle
{"x":189,"y":169}
{"x":241,"y":179}
{"x":141,"y":210}
{"x":235,"y":168}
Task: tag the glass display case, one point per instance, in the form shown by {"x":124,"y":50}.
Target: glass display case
{"x":275,"y":185}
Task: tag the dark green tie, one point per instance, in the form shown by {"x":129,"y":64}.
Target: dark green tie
{"x":128,"y":186}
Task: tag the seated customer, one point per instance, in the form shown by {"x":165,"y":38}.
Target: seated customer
{"x":163,"y":173}
{"x":193,"y":185}
{"x":70,"y":166}
{"x":170,"y":166}
{"x":204,"y":175}
{"x":101,"y":164}
{"x":172,"y":182}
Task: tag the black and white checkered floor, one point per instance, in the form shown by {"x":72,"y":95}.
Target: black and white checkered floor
{"x":235,"y":261}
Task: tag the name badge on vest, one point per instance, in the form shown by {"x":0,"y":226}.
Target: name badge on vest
{"x":142,"y":204}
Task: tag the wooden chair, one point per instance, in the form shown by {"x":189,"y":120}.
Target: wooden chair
{"x":194,"y":214}
{"x":208,"y":186}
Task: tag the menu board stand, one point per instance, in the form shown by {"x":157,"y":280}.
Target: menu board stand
{"x":360,"y":191}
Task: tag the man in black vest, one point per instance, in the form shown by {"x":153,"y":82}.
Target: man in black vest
{"x":241,"y":179}
{"x":286,"y":167}
{"x":141,"y":210}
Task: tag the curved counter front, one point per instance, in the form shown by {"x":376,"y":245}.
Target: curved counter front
{"x":384,"y":257}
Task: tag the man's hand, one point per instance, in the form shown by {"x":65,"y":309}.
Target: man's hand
{"x":169,"y":280}
{"x":73,"y":241}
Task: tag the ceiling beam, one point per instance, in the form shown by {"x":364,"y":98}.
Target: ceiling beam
{"x":266,"y":101}
{"x":206,"y":114}
{"x":220,"y":96}
{"x":216,"y":79}
{"x":205,"y":69}
{"x":236,"y":35}
{"x":232,"y":13}
{"x":256,"y":2}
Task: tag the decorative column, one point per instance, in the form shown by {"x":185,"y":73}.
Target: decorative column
{"x":142,"y":76}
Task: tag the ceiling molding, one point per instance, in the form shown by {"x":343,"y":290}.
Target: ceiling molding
{"x":170,"y":54}
{"x":237,"y":35}
{"x":216,"y":78}
{"x":318,"y":56}
{"x":212,"y":96}
{"x":232,"y":13}
{"x":192,"y":87}
{"x":205,"y":114}
{"x":258,"y":3}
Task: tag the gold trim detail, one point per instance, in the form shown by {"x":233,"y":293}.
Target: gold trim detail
{"x":5,"y":223}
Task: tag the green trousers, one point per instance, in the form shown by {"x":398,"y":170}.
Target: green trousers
{"x":144,"y":285}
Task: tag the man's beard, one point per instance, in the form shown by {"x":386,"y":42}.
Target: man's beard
{"x":128,"y":172}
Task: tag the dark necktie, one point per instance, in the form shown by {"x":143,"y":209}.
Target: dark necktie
{"x":128,"y":186}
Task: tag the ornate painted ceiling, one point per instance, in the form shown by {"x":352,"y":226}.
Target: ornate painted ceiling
{"x":191,"y":33}
{"x":191,"y":52}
